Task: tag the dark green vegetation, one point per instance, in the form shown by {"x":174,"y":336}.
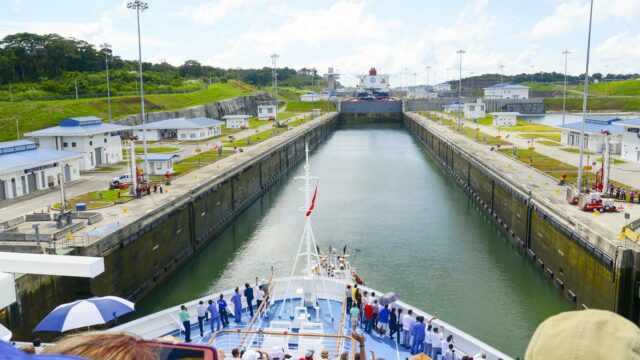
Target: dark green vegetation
{"x":49,"y":66}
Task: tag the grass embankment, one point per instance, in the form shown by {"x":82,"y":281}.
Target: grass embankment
{"x":526,"y":126}
{"x":471,"y":133}
{"x":157,"y":150}
{"x":97,"y":199}
{"x":537,"y":86}
{"x":614,"y":88}
{"x":35,"y":115}
{"x":550,"y":166}
{"x":595,"y":104}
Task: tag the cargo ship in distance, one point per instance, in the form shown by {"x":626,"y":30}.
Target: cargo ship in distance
{"x":373,"y":86}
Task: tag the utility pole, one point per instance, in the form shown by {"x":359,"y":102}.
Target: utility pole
{"x":274,"y":60}
{"x":501,"y":83}
{"x":532,"y":72}
{"x":461,"y":52}
{"x":107,"y":48}
{"x":75,"y":84}
{"x":139,"y":6}
{"x":584,"y":100}
{"x":564,"y":95}
{"x":604,"y":79}
{"x":10,"y":93}
{"x":238,"y":71}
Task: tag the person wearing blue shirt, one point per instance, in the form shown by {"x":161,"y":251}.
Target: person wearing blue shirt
{"x":215,"y":316}
{"x":418,"y":332}
{"x":383,"y":320}
{"x":248,"y":294}
{"x":236,"y":299}
{"x":222,"y":308}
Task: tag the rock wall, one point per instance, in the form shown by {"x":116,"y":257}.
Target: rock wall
{"x":214,"y":110}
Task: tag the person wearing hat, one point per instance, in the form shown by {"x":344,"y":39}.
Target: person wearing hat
{"x":277,"y":353}
{"x":585,"y":334}
{"x":324,"y":354}
{"x":308,"y":355}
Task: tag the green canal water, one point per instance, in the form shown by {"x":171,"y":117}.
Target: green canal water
{"x":408,"y":226}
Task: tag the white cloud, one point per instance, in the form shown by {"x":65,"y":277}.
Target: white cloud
{"x":623,"y":46}
{"x":213,"y":11}
{"x":574,"y":14}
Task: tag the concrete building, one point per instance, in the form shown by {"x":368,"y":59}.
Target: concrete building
{"x":181,"y":129}
{"x":474,"y":110}
{"x":237,"y":121}
{"x":24,"y":168}
{"x":311,"y":97}
{"x":453,"y":107}
{"x":505,"y":118}
{"x":442,"y":87}
{"x":160,"y":164}
{"x":267,"y":112}
{"x":99,"y":142}
{"x":506,"y":91}
{"x":630,"y":139}
{"x":597,"y":129}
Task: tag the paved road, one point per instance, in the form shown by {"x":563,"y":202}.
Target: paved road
{"x":627,"y":173}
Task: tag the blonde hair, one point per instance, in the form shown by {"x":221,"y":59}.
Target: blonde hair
{"x":102,"y":346}
{"x":29,"y":349}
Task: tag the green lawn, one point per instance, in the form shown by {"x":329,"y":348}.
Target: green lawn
{"x":487,"y":120}
{"x":553,"y":167}
{"x":474,"y":134}
{"x":536,"y":86}
{"x":97,"y":199}
{"x":577,"y":151}
{"x":550,"y":136}
{"x":615,"y":161}
{"x":107,"y":169}
{"x":593,"y":104}
{"x":206,"y":157}
{"x":549,"y":143}
{"x":614,"y":88}
{"x":157,"y":150}
{"x":34,"y":115}
{"x":304,"y":106}
{"x":526,"y":126}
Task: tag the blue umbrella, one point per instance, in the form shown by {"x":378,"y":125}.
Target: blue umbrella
{"x":85,"y":313}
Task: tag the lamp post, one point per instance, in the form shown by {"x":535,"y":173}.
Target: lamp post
{"x":238,"y":80}
{"x":274,"y":60}
{"x":501,"y":84}
{"x":107,"y":49}
{"x":584,"y":100}
{"x":532,"y":72}
{"x":460,"y":52}
{"x":564,"y":94}
{"x":139,"y":6}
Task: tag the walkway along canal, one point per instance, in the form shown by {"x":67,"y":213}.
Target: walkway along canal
{"x":408,"y":226}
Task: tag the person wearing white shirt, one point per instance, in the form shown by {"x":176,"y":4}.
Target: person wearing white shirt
{"x":407,"y":324}
{"x":202,"y":315}
{"x":259,"y":294}
{"x":436,"y":342}
{"x":450,"y":354}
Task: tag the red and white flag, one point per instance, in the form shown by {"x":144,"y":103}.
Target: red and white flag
{"x":313,"y":202}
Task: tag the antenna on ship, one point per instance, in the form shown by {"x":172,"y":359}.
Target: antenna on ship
{"x":307,"y":247}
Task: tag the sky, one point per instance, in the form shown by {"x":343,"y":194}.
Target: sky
{"x":398,"y":37}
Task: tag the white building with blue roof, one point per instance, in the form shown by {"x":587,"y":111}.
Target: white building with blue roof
{"x":506,"y":91}
{"x":160,"y":164}
{"x":630,"y":139}
{"x":24,"y":168}
{"x":453,"y":107}
{"x":597,"y":130}
{"x":99,"y":142}
{"x":199,"y":128}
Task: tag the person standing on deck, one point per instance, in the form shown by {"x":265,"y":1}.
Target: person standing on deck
{"x":202,"y":315}
{"x":399,"y":324}
{"x":393,"y":323}
{"x":383,"y":320}
{"x":436,"y":340}
{"x":259,"y":293}
{"x":349,"y":297}
{"x":418,"y":332}
{"x":184,"y":318}
{"x":368,"y":317}
{"x":215,"y":316}
{"x":407,"y":324}
{"x":376,"y":309}
{"x":222,"y":309}
{"x":354,"y":313}
{"x":248,"y":294}
{"x":236,"y":299}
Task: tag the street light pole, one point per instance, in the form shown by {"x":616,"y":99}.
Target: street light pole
{"x":107,"y":48}
{"x":274,"y":59}
{"x":461,"y":52}
{"x":532,"y":72}
{"x":564,"y":95}
{"x":139,"y":6}
{"x":501,"y":83}
{"x":584,"y":100}
{"x":238,"y":70}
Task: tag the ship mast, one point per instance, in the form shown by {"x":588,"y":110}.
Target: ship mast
{"x":307,"y":247}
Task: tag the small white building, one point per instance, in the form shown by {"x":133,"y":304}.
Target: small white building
{"x":199,"y":128}
{"x":505,"y":118}
{"x":310,"y":97}
{"x":99,"y":142}
{"x":237,"y":121}
{"x":630,"y":139}
{"x":474,"y":110}
{"x":160,"y":164}
{"x":24,"y":168}
{"x":453,"y":107}
{"x":267,"y":112}
{"x":506,"y":91}
{"x":597,"y":130}
{"x":442,"y":87}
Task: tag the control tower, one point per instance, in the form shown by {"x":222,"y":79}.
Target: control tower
{"x":331,"y":79}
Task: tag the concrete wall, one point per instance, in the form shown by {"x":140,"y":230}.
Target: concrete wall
{"x":370,"y":107}
{"x":215,"y":110}
{"x":587,"y":275}
{"x":141,"y":255}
